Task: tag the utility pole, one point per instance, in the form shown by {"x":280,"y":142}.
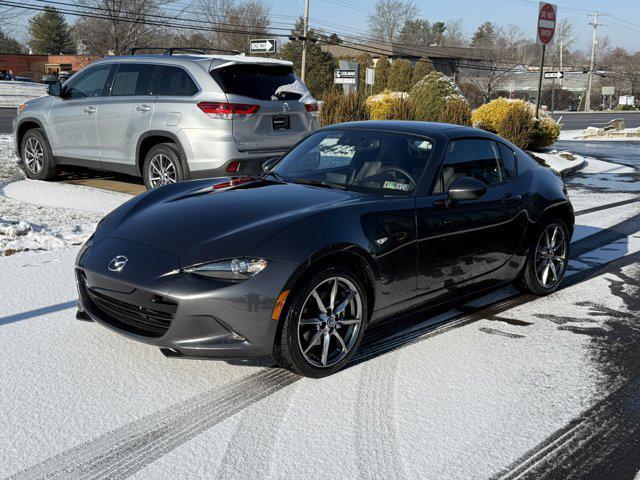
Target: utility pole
{"x":304,"y":41}
{"x":594,"y":41}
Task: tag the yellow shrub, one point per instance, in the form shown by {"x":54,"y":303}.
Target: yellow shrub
{"x":545,"y":132}
{"x":456,"y":111}
{"x":388,"y":106}
{"x":488,"y":116}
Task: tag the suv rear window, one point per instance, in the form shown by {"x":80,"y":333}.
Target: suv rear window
{"x":254,"y":81}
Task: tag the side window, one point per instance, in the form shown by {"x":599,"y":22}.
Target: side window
{"x":176,"y":81}
{"x":133,"y":79}
{"x":509,"y":160}
{"x":90,"y":84}
{"x":479,"y":159}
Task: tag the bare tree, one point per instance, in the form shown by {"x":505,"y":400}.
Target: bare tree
{"x":500,"y":51}
{"x":455,"y":36}
{"x":229,"y":18}
{"x":563,"y":40}
{"x":389,"y":17}
{"x":123,"y":24}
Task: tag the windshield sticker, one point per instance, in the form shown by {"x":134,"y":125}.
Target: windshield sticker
{"x":397,"y":186}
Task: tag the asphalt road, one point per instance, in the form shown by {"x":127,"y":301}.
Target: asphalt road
{"x":6,"y":117}
{"x":581,"y":120}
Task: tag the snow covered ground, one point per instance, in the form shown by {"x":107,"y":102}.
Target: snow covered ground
{"x":624,"y":135}
{"x":477,"y":397}
{"x":13,"y":94}
{"x":42,"y":215}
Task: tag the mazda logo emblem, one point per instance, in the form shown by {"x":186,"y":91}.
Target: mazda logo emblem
{"x":285,"y":107}
{"x":118,"y":263}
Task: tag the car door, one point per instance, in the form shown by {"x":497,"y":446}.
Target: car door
{"x":125,"y":114}
{"x":73,"y":130}
{"x":472,"y":238}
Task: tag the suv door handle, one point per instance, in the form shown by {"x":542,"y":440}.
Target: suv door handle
{"x":511,"y":198}
{"x":90,"y":110}
{"x":143,"y":108}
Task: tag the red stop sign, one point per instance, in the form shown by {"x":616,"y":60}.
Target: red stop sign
{"x":546,"y":22}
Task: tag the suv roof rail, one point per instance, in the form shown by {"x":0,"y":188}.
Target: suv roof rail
{"x":171,"y":50}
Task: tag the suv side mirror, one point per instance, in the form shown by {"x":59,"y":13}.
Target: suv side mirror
{"x":466,"y":188}
{"x":55,"y":89}
{"x":270,"y":163}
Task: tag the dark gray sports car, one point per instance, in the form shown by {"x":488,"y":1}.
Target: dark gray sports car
{"x":357,"y":223}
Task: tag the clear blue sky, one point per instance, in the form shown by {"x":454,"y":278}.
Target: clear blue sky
{"x":622,"y":23}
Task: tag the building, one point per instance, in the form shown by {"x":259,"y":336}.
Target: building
{"x":35,"y":66}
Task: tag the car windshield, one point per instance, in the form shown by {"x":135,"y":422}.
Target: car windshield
{"x":366,"y":160}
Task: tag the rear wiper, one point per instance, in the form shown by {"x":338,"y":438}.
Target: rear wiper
{"x":319,"y":183}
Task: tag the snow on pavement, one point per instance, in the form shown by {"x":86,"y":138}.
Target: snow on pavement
{"x":38,"y":215}
{"x":13,"y":93}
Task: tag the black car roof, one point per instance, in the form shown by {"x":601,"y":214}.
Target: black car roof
{"x":419,"y":128}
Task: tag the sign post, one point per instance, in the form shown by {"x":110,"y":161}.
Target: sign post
{"x":547,"y":15}
{"x":263,"y":45}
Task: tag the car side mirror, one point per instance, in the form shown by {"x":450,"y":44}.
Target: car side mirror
{"x":55,"y":89}
{"x":268,"y":165}
{"x":466,"y":188}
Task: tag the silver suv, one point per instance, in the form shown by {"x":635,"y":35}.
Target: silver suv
{"x":167,"y":117}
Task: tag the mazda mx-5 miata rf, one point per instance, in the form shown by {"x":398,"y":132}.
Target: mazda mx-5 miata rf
{"x":357,"y":223}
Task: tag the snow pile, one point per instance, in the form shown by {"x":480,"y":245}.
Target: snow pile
{"x":13,"y":94}
{"x":9,"y":169}
{"x":26,"y":227}
{"x":564,"y":162}
{"x":594,"y":133}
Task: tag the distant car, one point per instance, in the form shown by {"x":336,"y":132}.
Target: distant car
{"x":357,"y":223}
{"x":167,"y":118}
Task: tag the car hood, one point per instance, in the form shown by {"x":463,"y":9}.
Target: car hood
{"x":200,"y":224}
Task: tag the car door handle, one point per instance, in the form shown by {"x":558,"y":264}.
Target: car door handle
{"x":511,"y":198}
{"x":90,"y":110}
{"x":143,"y":108}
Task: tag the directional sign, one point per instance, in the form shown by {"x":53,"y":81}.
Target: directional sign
{"x":264,"y":45}
{"x":546,"y":22}
{"x":344,"y":76}
{"x":552,"y":75}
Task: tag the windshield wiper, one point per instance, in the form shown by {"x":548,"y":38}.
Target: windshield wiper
{"x":319,"y":183}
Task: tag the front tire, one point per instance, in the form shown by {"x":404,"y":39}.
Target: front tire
{"x":37,"y":158}
{"x":547,"y":260}
{"x":324,"y":323}
{"x":163,"y":165}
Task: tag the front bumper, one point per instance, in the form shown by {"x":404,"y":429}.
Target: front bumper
{"x":151,"y":301}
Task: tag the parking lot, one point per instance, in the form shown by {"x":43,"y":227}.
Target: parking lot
{"x":504,"y":386}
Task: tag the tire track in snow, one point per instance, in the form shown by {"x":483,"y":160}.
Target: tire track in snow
{"x":250,"y":451}
{"x":375,"y":429}
{"x":128,"y":449}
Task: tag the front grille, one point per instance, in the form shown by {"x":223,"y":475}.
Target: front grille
{"x":136,"y":319}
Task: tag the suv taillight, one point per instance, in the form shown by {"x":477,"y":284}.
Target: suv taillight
{"x":224,"y":110}
{"x":311,"y":107}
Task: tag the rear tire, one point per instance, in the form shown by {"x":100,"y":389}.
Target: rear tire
{"x":37,"y":158}
{"x":547,"y":260}
{"x":314,"y":342}
{"x":163,"y":165}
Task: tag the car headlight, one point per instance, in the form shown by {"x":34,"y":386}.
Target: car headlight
{"x":233,"y":269}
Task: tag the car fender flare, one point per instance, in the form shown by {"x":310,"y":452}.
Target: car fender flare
{"x":359,"y":254}
{"x":160,"y":133}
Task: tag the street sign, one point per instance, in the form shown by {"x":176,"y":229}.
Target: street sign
{"x":370,"y":76}
{"x":608,"y":90}
{"x":263,"y":45}
{"x":553,"y":75}
{"x":342,"y":76}
{"x":546,"y":22}
{"x":627,"y":100}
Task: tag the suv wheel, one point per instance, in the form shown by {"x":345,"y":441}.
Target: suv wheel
{"x":547,"y":261}
{"x":163,"y":165}
{"x":37,"y":159}
{"x":324,"y":324}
